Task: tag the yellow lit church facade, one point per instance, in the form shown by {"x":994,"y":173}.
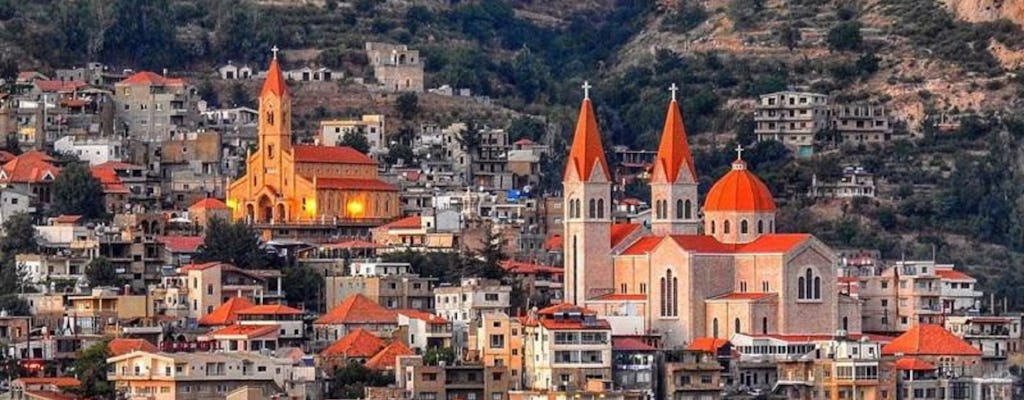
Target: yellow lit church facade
{"x":285,"y":183}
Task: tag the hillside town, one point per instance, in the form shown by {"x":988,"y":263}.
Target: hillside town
{"x":162,"y":248}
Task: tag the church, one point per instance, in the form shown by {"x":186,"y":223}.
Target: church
{"x":692,"y":274}
{"x":287,"y":183}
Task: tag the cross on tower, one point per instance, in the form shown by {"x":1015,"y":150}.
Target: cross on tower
{"x":586,"y":90}
{"x":673,"y":89}
{"x":739,"y":152}
{"x":274,"y":50}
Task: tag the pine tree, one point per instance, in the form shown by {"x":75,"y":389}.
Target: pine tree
{"x":77,"y":192}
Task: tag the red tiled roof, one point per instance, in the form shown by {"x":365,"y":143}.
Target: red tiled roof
{"x":385,"y":359}
{"x":270,"y":309}
{"x":227,"y":313}
{"x":643,"y":245}
{"x":181,"y":244}
{"x":249,"y":331}
{"x":121,"y":346}
{"x":109,"y":179}
{"x":553,"y":242}
{"x":51,"y":86}
{"x":739,"y":190}
{"x":274,"y":83}
{"x":152,"y":78}
{"x":631,"y":201}
{"x":330,"y":154}
{"x":119,"y":165}
{"x":567,"y":324}
{"x":587,"y":150}
{"x":357,"y":309}
{"x":743,"y":296}
{"x":6,"y":156}
{"x":423,"y":316}
{"x":48,"y":395}
{"x":519,"y":267}
{"x":358,"y":343}
{"x":30,"y":167}
{"x":67,"y":219}
{"x":953,"y":275}
{"x":410,"y":222}
{"x":375,"y":185}
{"x":768,"y":243}
{"x":209,"y":203}
{"x":630,"y":344}
{"x":619,"y":232}
{"x":707,"y":344}
{"x":59,"y":381}
{"x":200,"y":267}
{"x":562,"y":308}
{"x":620,"y":297}
{"x":926,"y":339}
{"x":913,"y":364}
{"x":523,"y":141}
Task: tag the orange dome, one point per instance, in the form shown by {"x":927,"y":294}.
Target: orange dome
{"x":739,"y":190}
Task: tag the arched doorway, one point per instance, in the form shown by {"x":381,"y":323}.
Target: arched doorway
{"x":281,"y":213}
{"x":250,"y":213}
{"x":266,"y":209}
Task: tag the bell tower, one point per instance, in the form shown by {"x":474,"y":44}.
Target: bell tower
{"x":674,"y":179}
{"x":275,"y":121}
{"x":587,"y":211}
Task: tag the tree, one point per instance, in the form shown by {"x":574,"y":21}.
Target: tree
{"x":239,"y":96}
{"x":487,"y":263}
{"x":526,"y":128}
{"x":790,"y":36}
{"x":91,"y":369}
{"x":15,"y":305}
{"x":355,"y":140}
{"x":208,"y":93}
{"x":407,"y":105}
{"x":303,"y":285}
{"x":351,"y":381}
{"x":12,"y":144}
{"x":437,"y":355}
{"x":400,"y":151}
{"x":744,"y":12}
{"x":19,"y":235}
{"x":100,"y":272}
{"x":845,"y":36}
{"x":232,"y":242}
{"x":8,"y":70}
{"x":77,"y":192}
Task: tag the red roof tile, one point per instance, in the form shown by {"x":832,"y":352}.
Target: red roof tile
{"x":330,"y":154}
{"x":563,"y":308}
{"x":119,"y":165}
{"x":209,"y":203}
{"x":621,"y":231}
{"x":643,"y":245}
{"x":630,"y":344}
{"x":121,"y":346}
{"x":423,"y":316}
{"x":673,"y":151}
{"x":200,"y":267}
{"x":53,"y":86}
{"x":385,"y":359}
{"x":152,"y":78}
{"x":109,"y":179}
{"x":48,"y":395}
{"x":248,"y":331}
{"x":933,"y":340}
{"x":410,"y":222}
{"x":768,"y":243}
{"x":707,"y":344}
{"x":373,"y":185}
{"x":739,"y":190}
{"x":67,"y":219}
{"x":953,"y":275}
{"x":358,"y":309}
{"x":270,"y":309}
{"x":620,"y":297}
{"x":30,"y":167}
{"x":181,"y":244}
{"x":227,"y":313}
{"x":553,"y":243}
{"x":358,"y":344}
{"x":913,"y":364}
{"x":519,"y":267}
{"x":274,"y":83}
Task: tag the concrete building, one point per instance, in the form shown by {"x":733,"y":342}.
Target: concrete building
{"x":153,"y":108}
{"x":838,"y":369}
{"x":911,"y":292}
{"x":230,"y":72}
{"x":792,"y":118}
{"x":414,"y":379}
{"x":395,"y":67}
{"x":332,"y":132}
{"x":468,"y":302}
{"x":691,"y":375}
{"x":861,"y":123}
{"x":855,"y":182}
{"x":565,"y":347}
{"x":996,"y":336}
{"x":94,"y":150}
{"x":498,"y":340}
{"x":389,"y":284}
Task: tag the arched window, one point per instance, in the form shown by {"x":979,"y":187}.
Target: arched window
{"x":675,"y":296}
{"x":764,"y":326}
{"x":664,"y":298}
{"x":846,"y":326}
{"x":712,"y":227}
{"x":809,"y":279}
{"x":725,"y":227}
{"x":743,"y":226}
{"x":686,"y":210}
{"x":801,"y":288}
{"x":593,"y":209}
{"x":575,"y":263}
{"x":679,"y":209}
{"x":817,"y":287}
{"x":737,"y":330}
{"x":579,"y":208}
{"x":600,"y":208}
{"x":760,"y":226}
{"x":714,"y":327}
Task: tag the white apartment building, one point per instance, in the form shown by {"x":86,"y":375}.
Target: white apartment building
{"x":94,"y":150}
{"x":565,"y":346}
{"x":465,"y":303}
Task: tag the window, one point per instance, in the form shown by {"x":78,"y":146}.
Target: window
{"x":600,"y":208}
{"x":714,"y":327}
{"x":491,"y":296}
{"x":593,"y":209}
{"x":209,"y":289}
{"x":764,"y":325}
{"x":760,"y":226}
{"x":712,"y":227}
{"x":679,"y":209}
{"x":743,"y":226}
{"x":687,"y":213}
{"x":497,"y":341}
{"x":737,"y":323}
{"x":725,"y":227}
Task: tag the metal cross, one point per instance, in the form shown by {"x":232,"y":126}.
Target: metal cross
{"x":739,"y":152}
{"x":586,"y":90}
{"x":275,"y":50}
{"x":673,"y":89}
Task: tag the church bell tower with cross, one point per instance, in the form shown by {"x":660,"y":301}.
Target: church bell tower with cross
{"x":674,"y":207}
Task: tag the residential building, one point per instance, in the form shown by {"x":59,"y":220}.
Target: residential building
{"x":498,"y":340}
{"x":312,"y":74}
{"x":996,"y":336}
{"x":862,"y":123}
{"x":207,"y":286}
{"x":396,"y":68}
{"x":153,"y":108}
{"x":390,"y":285}
{"x":355,"y":312}
{"x":332,"y":132}
{"x":94,"y":150}
{"x":839,"y":369}
{"x":104,"y":307}
{"x":202,"y":211}
{"x":635,"y":366}
{"x":691,"y":375}
{"x":230,"y":72}
{"x":566,"y":346}
{"x":423,"y":330}
{"x":466,"y":303}
{"x":31,"y":172}
{"x":440,"y":232}
{"x":464,"y":380}
{"x":792,"y":118}
{"x":911,"y":292}
{"x":855,"y":182}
